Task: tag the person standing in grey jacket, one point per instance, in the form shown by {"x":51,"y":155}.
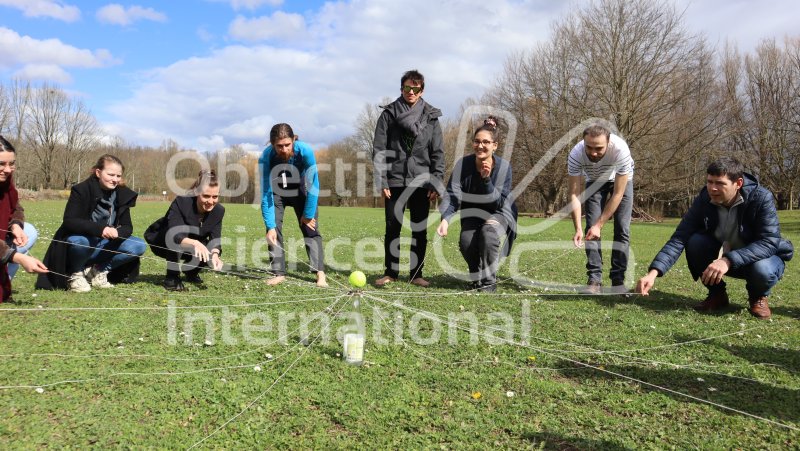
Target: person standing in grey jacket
{"x":408,"y":157}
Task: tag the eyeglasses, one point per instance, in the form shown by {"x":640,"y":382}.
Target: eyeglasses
{"x":478,"y":142}
{"x":414,"y":89}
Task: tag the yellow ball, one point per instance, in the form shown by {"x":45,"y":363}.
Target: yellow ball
{"x":358,"y":279}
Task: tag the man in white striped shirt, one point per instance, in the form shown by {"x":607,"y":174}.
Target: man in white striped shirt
{"x":602,"y":164}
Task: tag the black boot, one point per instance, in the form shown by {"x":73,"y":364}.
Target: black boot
{"x":172,"y":281}
{"x":193,"y":276}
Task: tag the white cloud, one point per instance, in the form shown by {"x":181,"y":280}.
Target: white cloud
{"x":45,"y":72}
{"x":746,"y":21}
{"x":249,"y":4}
{"x":117,"y":14}
{"x":214,"y":142}
{"x":277,"y":26}
{"x":204,"y":35}
{"x":351,"y":54}
{"x":54,"y":9}
{"x":249,"y":128}
{"x":348,"y":54}
{"x":21,"y":50}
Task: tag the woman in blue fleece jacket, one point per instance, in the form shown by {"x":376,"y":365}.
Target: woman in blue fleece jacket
{"x":289,"y":179}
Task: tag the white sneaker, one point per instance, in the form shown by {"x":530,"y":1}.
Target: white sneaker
{"x":78,"y":284}
{"x":98,"y":279}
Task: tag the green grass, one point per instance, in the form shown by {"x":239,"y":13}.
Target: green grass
{"x":124,"y":384}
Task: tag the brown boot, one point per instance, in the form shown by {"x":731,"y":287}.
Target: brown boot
{"x":714,"y":301}
{"x":593,"y":287}
{"x":759,"y":307}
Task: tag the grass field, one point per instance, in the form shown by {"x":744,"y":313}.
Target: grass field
{"x":546,"y":368}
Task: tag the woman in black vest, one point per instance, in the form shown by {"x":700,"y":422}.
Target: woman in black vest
{"x":190,"y":232}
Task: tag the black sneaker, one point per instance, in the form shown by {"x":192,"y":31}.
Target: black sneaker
{"x":490,"y":288}
{"x":173,"y":284}
{"x":193,"y":277}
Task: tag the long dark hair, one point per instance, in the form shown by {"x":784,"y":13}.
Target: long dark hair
{"x":6,"y":146}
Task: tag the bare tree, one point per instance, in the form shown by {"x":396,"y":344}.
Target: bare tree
{"x":631,"y":62}
{"x":80,"y":137}
{"x":763,"y":107}
{"x":361,"y":141}
{"x":5,"y":109}
{"x":19,"y":101}
{"x":45,"y":128}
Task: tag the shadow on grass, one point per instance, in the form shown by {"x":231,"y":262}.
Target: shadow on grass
{"x":660,"y":301}
{"x":785,"y":359}
{"x":753,"y":397}
{"x":548,"y":440}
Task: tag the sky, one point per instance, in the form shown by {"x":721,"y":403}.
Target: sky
{"x":209,"y":74}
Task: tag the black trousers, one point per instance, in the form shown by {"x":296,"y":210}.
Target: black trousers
{"x":480,"y":243}
{"x":416,"y":199}
{"x":191,"y":264}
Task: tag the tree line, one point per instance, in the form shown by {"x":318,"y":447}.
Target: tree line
{"x":676,"y":99}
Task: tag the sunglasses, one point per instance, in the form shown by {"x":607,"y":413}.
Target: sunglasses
{"x":414,"y":89}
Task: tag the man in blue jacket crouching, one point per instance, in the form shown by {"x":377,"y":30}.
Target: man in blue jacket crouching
{"x":731,"y":230}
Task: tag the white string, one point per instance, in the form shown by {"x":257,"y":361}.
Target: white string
{"x":543,"y":350}
{"x":597,"y":368}
{"x":172,"y":373}
{"x":262,"y":394}
{"x":619,"y":353}
{"x":177,"y":307}
{"x":159,"y":259}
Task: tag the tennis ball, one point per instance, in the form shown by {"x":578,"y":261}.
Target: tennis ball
{"x":358,"y":279}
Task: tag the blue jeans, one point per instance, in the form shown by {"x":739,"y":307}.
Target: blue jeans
{"x":594,"y":205}
{"x":87,"y":251}
{"x":760,"y":276}
{"x":33,"y":234}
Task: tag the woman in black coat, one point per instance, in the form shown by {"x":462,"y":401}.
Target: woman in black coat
{"x":94,"y":247}
{"x":190,"y":232}
{"x":480,"y":188}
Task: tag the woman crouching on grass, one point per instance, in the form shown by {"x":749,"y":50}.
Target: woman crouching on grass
{"x":94,"y":247}
{"x":191,"y":232}
{"x":480,"y":187}
{"x":12,"y":221}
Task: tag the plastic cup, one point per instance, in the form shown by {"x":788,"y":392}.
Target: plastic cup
{"x":354,"y":348}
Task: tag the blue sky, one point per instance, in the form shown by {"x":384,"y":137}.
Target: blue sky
{"x":213,"y":73}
